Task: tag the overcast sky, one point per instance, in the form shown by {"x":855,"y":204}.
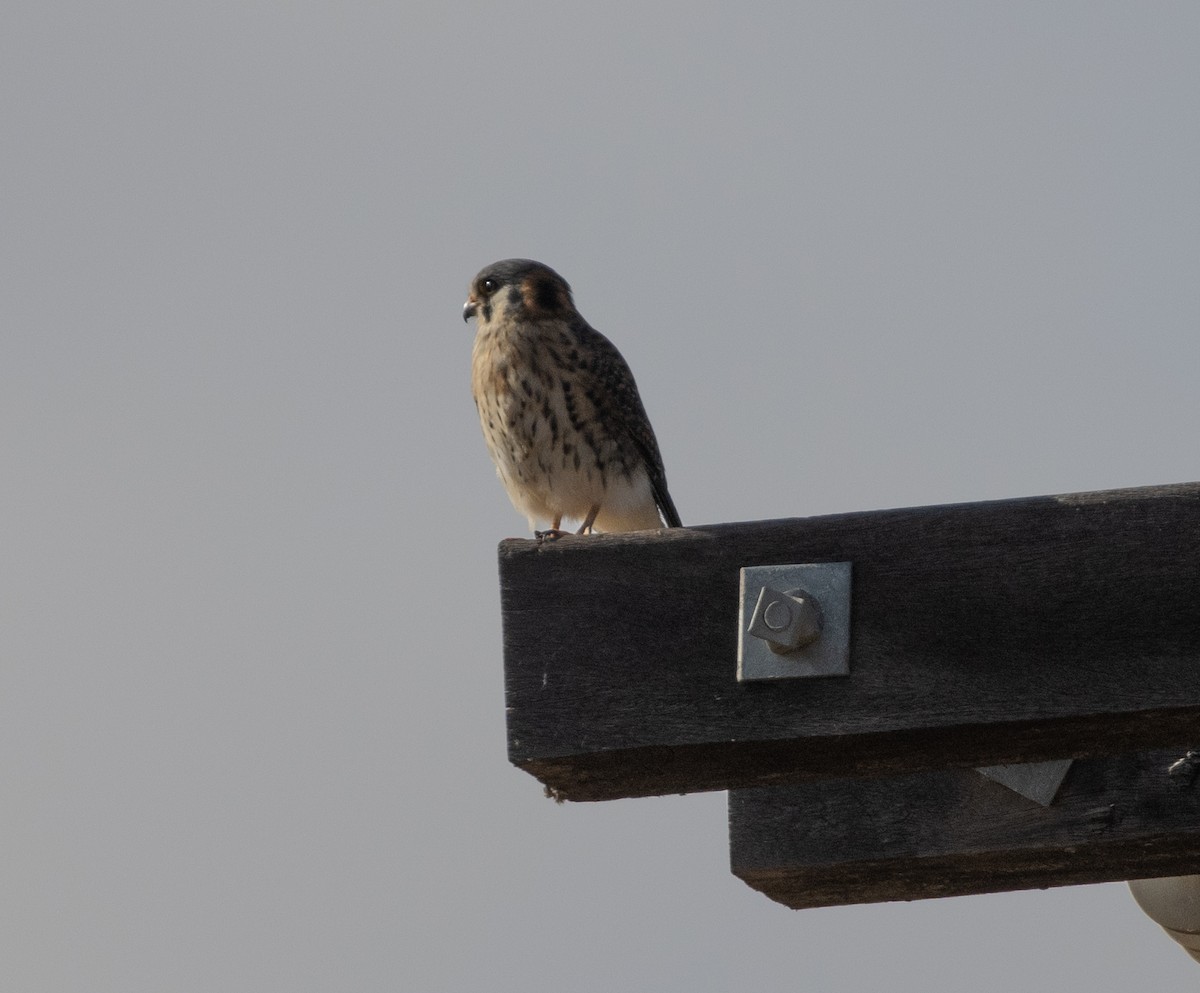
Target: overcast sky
{"x":859,"y":255}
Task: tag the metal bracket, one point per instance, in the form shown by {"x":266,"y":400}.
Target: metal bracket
{"x":1036,"y":781}
{"x":794,"y":621}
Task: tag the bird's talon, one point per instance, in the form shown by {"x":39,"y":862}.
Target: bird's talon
{"x":553,"y":534}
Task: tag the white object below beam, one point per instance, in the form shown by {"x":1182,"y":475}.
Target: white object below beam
{"x":1174,"y":903}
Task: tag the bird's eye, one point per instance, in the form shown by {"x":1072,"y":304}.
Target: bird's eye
{"x":489,"y":286}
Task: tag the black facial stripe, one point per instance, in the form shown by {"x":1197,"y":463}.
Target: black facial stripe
{"x":545,"y":294}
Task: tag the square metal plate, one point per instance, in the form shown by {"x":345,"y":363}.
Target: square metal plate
{"x":826,"y":582}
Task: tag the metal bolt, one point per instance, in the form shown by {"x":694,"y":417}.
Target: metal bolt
{"x":1185,"y":769}
{"x":786,"y":621}
{"x":793,"y":621}
{"x":777,"y":615}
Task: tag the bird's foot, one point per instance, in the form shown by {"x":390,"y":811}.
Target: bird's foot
{"x":586,"y":526}
{"x":553,"y":534}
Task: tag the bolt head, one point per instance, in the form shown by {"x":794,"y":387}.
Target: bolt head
{"x":786,"y":621}
{"x":777,"y":615}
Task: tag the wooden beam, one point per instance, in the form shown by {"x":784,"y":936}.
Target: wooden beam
{"x":981,"y":634}
{"x":950,"y":833}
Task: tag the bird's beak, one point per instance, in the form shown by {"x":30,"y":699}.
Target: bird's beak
{"x":469,"y":309}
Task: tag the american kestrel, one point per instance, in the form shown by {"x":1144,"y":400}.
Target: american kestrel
{"x":559,"y":408}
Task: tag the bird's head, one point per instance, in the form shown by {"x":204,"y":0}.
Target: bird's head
{"x":518,"y":289}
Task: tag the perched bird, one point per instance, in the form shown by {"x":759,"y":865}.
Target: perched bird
{"x":559,"y":408}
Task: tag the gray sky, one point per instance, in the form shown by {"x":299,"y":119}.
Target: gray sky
{"x":859,"y":255}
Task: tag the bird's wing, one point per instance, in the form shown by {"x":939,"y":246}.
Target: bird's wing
{"x":617,"y":400}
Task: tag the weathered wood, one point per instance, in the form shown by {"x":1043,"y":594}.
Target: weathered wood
{"x":950,"y":833}
{"x":1010,"y":631}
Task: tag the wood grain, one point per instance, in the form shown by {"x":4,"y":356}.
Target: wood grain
{"x":950,"y":833}
{"x":1008,"y":631}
